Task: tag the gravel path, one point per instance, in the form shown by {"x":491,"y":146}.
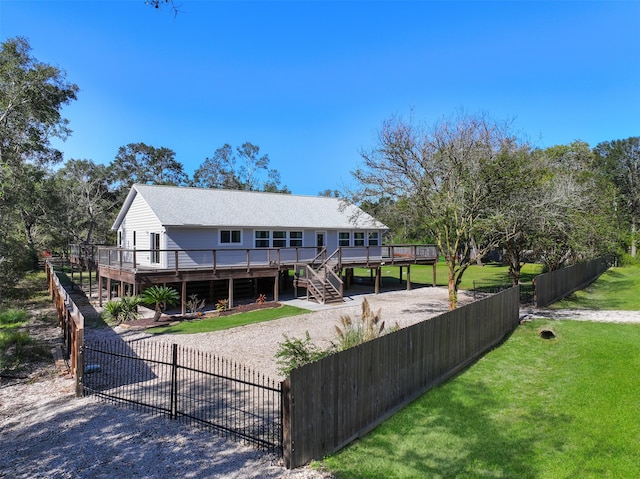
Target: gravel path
{"x":47,"y":433}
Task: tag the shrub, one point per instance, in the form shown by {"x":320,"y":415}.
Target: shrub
{"x":294,"y":352}
{"x":222,"y":305}
{"x":194,"y":305}
{"x":125,"y":309}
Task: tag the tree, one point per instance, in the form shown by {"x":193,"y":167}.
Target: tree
{"x":580,"y":222}
{"x":433,"y":174}
{"x":32,"y":94}
{"x":514,"y":181}
{"x":88,"y":201}
{"x":145,"y":164}
{"x":244,"y":169}
{"x":619,"y":160}
{"x":330,"y":193}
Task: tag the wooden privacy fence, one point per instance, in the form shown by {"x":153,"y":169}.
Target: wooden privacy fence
{"x":555,"y":285}
{"x":71,"y":320}
{"x":331,"y":402}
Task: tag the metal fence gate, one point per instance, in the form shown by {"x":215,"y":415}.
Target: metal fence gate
{"x":188,"y":385}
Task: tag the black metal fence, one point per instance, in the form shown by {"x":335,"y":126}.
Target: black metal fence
{"x":188,"y":385}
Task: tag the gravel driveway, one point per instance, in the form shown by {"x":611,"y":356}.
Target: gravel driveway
{"x":47,"y":433}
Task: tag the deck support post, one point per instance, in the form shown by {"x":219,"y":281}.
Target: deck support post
{"x":99,"y":290}
{"x":230,"y":298}
{"x":184,"y":298}
{"x":408,"y":277}
{"x":108,"y":289}
{"x":276,"y":280}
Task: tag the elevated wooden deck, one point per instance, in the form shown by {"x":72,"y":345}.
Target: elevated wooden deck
{"x":141,"y":268}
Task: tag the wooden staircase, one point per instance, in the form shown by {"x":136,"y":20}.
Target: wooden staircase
{"x":321,"y":280}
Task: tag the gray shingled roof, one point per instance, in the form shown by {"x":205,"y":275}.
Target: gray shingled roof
{"x":179,"y":206}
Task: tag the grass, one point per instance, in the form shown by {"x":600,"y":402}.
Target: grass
{"x":614,"y":290}
{"x":12,"y":318}
{"x":533,"y":408}
{"x":231,"y":321}
{"x":479,"y":278}
{"x":17,"y":346}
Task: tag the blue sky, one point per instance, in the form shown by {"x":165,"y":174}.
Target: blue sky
{"x":312,"y":82}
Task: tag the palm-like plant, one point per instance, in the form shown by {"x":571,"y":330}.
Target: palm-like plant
{"x":160,"y":297}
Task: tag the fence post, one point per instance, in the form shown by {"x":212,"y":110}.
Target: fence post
{"x":286,"y":402}
{"x":79,"y":354}
{"x":174,"y":383}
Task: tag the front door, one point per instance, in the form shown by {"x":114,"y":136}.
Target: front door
{"x":320,"y":240}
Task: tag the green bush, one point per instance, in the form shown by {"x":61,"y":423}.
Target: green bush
{"x":124,"y":309}
{"x":294,"y":352}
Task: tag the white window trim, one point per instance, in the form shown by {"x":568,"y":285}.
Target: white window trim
{"x":378,"y":236}
{"x":269,"y":239}
{"x":350,"y":233}
{"x":230,"y":244}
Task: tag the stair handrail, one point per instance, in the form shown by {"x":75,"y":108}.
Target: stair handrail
{"x":338,"y":253}
{"x":321,"y":254}
{"x":334,"y":280}
{"x":331,"y":280}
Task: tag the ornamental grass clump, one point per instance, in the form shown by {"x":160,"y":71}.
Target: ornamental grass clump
{"x":352,"y":333}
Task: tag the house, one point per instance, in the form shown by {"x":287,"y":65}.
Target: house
{"x":170,"y":217}
{"x":180,"y":235}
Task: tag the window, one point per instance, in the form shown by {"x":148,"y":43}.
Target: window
{"x":262,"y":239}
{"x":344,"y":238}
{"x":279,"y":239}
{"x":373,"y":238}
{"x":295,"y":238}
{"x":155,"y":247}
{"x":230,"y":237}
{"x":358,"y":238}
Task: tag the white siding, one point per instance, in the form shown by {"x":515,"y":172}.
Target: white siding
{"x":143,"y":221}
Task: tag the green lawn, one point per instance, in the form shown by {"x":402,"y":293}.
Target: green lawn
{"x":232,"y":321}
{"x":533,"y":408}
{"x":616,"y":289}
{"x":479,"y":278}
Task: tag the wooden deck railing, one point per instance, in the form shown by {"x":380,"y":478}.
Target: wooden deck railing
{"x":250,"y":258}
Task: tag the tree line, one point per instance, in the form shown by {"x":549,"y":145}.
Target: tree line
{"x":466,"y":183}
{"x":471,"y":186}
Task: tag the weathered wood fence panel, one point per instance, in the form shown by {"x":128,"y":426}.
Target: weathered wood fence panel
{"x":329,"y":403}
{"x":71,"y":320}
{"x":555,"y":285}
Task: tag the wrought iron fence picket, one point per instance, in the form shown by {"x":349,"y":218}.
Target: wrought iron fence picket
{"x":188,"y":385}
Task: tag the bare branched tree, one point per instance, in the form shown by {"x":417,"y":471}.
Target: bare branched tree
{"x":434,"y":175}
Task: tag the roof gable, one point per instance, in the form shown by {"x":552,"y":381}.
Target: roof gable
{"x":181,"y":206}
